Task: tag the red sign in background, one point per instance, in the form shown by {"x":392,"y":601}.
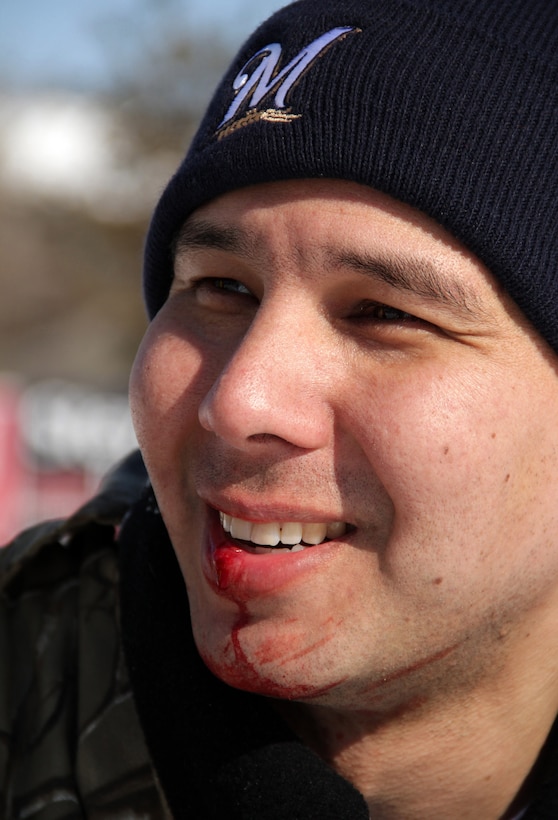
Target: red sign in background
{"x":56,"y":442}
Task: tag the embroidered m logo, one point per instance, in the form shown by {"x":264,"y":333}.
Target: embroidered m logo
{"x":266,"y":78}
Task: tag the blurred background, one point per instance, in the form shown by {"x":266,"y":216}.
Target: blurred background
{"x":98,"y":102}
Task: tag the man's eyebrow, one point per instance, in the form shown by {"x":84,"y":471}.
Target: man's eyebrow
{"x":417,"y":276}
{"x":199,"y":234}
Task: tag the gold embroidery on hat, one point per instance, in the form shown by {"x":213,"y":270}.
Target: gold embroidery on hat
{"x":269,"y":115}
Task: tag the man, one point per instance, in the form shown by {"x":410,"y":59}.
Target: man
{"x":338,"y":594}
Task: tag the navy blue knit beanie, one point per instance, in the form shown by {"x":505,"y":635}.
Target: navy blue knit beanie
{"x":448,"y":105}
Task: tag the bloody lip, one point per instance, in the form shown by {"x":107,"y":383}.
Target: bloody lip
{"x":241,"y":575}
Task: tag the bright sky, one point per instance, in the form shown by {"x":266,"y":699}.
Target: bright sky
{"x":64,"y":42}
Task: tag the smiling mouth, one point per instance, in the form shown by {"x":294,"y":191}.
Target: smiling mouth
{"x":280,"y":536}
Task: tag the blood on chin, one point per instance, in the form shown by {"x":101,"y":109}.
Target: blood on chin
{"x":277,"y":662}
{"x":238,"y":671}
{"x":272,"y":653}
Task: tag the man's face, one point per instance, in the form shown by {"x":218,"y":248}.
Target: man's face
{"x":332,"y":366}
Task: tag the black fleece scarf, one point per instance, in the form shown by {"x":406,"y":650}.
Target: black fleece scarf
{"x":223,"y":754}
{"x":219,"y":753}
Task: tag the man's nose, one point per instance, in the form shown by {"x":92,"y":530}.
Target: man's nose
{"x":273,"y":388}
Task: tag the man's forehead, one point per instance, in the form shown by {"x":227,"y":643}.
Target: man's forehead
{"x":221,"y":223}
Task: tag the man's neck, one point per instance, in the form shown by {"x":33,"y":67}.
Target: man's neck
{"x":467,"y":758}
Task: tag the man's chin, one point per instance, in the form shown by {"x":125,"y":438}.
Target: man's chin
{"x":259,"y":682}
{"x":263,"y":668}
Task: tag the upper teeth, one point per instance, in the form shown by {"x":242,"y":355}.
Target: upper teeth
{"x":286,"y":532}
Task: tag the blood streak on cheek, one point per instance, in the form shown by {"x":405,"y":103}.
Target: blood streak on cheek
{"x":289,"y":647}
{"x":415,"y":667}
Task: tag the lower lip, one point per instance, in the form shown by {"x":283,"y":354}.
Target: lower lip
{"x":241,"y":575}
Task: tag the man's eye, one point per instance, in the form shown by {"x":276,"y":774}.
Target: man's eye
{"x":222,"y":294}
{"x":224,"y":284}
{"x":382,"y":313}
